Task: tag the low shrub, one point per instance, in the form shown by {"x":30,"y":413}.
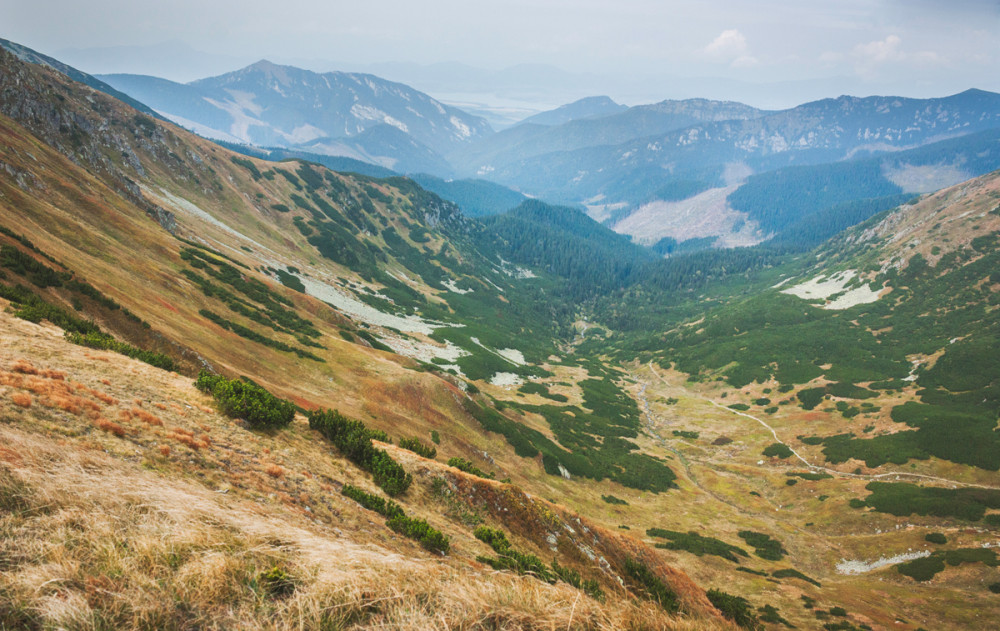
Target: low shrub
{"x":650,"y":585}
{"x":611,"y":499}
{"x":777,"y":450}
{"x":241,"y":399}
{"x":571,"y":577}
{"x":103,"y":341}
{"x":464,"y":465}
{"x":276,"y":582}
{"x":735,"y":608}
{"x":396,"y":519}
{"x":417,"y":447}
{"x":681,"y":433}
{"x":765,"y":546}
{"x":793,"y":573}
{"x":508,"y":558}
{"x":696,"y":544}
{"x":386,"y":508}
{"x":354,"y":440}
{"x":418,"y":529}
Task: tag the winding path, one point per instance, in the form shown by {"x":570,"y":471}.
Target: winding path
{"x":815,"y":467}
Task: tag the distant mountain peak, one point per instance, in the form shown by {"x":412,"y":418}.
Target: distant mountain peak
{"x":587,"y":107}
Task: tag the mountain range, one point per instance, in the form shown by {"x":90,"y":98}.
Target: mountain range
{"x":270,"y":105}
{"x":671,"y":171}
{"x":238,"y":391}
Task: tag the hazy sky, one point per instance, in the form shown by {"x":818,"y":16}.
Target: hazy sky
{"x":912,"y":47}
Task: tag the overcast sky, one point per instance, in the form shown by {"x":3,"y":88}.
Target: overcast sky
{"x":912,"y":47}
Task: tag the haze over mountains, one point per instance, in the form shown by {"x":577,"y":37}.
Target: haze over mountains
{"x":670,"y":171}
{"x":241,"y":388}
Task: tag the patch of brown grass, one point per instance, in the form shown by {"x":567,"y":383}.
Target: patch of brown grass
{"x":164,"y":450}
{"x":24,"y":367}
{"x":103,"y":397}
{"x":186,"y":437}
{"x":275,"y":471}
{"x":148,"y":418}
{"x":22,"y":399}
{"x":110,"y":426}
{"x":64,"y":403}
{"x":53,"y":374}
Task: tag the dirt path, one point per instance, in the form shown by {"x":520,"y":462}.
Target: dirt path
{"x":815,"y":467}
{"x":653,"y":433}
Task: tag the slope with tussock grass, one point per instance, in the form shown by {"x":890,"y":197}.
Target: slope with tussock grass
{"x":101,"y":530}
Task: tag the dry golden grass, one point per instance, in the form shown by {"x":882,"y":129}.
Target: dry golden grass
{"x":146,"y":417}
{"x":22,"y":399}
{"x":24,"y":367}
{"x":110,"y":427}
{"x":90,"y":542}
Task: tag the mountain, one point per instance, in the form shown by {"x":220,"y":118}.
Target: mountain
{"x":823,"y":131}
{"x":241,"y":392}
{"x":494,"y":155}
{"x":131,"y":248}
{"x":802,"y":206}
{"x":270,"y":105}
{"x":588,"y":107}
{"x":31,"y":56}
{"x":476,"y":198}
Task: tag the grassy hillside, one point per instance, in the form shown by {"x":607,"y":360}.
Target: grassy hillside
{"x":163,"y":245}
{"x":475,"y":424}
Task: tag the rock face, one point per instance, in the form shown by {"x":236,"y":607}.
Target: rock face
{"x":106,"y":137}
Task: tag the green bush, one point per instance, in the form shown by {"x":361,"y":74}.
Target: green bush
{"x":777,"y":450}
{"x":936,"y":537}
{"x":571,"y":577}
{"x":396,"y":519}
{"x":276,"y":582}
{"x":428,"y":536}
{"x":696,"y":544}
{"x":902,"y":499}
{"x":508,"y":558}
{"x":925,"y":568}
{"x":464,"y":465}
{"x":382,"y":506}
{"x":30,"y":307}
{"x":680,"y":433}
{"x":812,"y":477}
{"x":765,"y":546}
{"x":770,"y":613}
{"x":103,"y":341}
{"x":650,"y":585}
{"x":611,"y":499}
{"x":793,"y":573}
{"x":241,"y":399}
{"x":354,"y":440}
{"x":435,"y":437}
{"x":735,"y":608}
{"x":810,"y":397}
{"x":417,"y":447}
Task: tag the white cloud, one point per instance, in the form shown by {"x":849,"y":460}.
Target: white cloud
{"x":879,"y":52}
{"x":871,"y":57}
{"x":730,"y":47}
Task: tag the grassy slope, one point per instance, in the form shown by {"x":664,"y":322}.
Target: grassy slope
{"x":118,"y":248}
{"x":77,"y":215}
{"x":144,"y":530}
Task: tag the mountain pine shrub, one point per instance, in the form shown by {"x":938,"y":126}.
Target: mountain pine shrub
{"x":241,"y":399}
{"x":354,"y":440}
{"x":417,"y":447}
